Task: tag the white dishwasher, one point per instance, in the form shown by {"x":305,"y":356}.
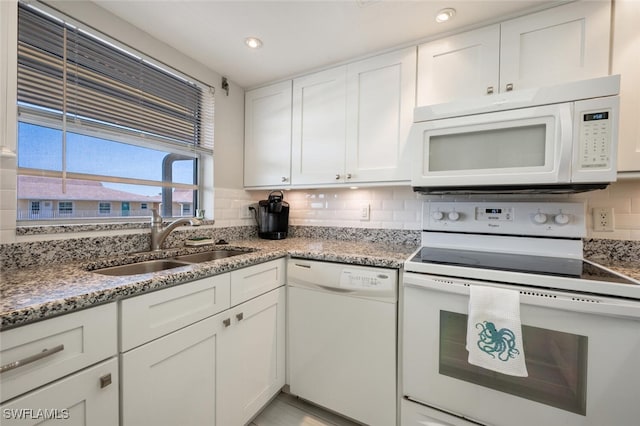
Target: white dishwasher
{"x":342,"y":338}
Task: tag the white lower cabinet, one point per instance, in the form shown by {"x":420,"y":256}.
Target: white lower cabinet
{"x":172,"y":380}
{"x":89,"y":397}
{"x":222,"y":367}
{"x":251,"y":358}
{"x":61,"y":369}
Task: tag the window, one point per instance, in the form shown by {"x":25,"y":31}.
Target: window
{"x":35,"y":207}
{"x":65,"y":208}
{"x":104,"y":208}
{"x":98,"y":121}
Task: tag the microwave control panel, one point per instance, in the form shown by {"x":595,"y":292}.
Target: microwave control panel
{"x":595,"y":130}
{"x":595,"y":140}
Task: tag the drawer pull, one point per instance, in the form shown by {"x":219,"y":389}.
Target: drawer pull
{"x":33,"y":358}
{"x":239,"y":316}
{"x":105,"y":381}
{"x":302,"y":265}
{"x":226,"y":322}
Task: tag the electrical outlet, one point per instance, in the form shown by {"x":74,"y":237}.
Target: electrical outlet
{"x":364,"y":212}
{"x":245,"y":213}
{"x":603,"y":219}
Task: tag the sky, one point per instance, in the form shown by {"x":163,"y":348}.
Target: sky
{"x":41,"y":148}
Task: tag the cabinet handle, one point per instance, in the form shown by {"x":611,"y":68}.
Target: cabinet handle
{"x":239,"y":316}
{"x":285,"y":179}
{"x":105,"y":381}
{"x":337,"y":176}
{"x":509,"y":87}
{"x":348,"y":175}
{"x":33,"y":358}
{"x":227,"y":322}
{"x":490,"y":90}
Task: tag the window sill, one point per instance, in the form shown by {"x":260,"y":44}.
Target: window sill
{"x":23,"y":229}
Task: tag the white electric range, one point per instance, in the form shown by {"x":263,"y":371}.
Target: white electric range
{"x":581,"y":321}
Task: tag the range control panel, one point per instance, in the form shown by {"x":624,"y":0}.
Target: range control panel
{"x":550,"y":219}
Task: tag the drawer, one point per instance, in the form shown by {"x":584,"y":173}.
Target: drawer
{"x":253,"y":281}
{"x":147,"y":317}
{"x":89,"y":397}
{"x":57,"y":347}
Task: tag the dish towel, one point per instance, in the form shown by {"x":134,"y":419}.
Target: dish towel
{"x":494,"y":332}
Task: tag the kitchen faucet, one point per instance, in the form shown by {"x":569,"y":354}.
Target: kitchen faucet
{"x":160,"y":233}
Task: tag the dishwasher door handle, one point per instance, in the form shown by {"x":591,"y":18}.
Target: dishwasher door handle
{"x":335,"y":289}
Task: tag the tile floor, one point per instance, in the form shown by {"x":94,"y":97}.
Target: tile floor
{"x":287,"y":410}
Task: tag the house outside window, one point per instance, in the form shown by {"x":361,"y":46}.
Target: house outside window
{"x":104,"y":208}
{"x":35,"y":208}
{"x":65,"y":208}
{"x":119,"y":125}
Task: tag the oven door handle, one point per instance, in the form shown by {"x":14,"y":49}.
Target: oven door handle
{"x":571,"y":302}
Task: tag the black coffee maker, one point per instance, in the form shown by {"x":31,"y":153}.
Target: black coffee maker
{"x":272,"y":216}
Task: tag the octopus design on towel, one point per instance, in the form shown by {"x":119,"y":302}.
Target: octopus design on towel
{"x":497,"y":342}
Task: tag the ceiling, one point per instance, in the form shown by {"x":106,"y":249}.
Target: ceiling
{"x":298,"y":35}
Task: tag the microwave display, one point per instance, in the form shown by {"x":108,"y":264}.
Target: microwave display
{"x":596,"y":116}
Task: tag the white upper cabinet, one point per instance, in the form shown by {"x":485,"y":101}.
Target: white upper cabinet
{"x":350,"y":123}
{"x":319,"y":123}
{"x":267,"y":136}
{"x":565,"y":43}
{"x":626,"y":61}
{"x":561,"y":44}
{"x":460,"y":66}
{"x":380,"y":102}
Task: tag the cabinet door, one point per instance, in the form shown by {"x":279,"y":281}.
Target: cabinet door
{"x":89,"y":397}
{"x":460,"y":66}
{"x":380,"y":102}
{"x":267,"y":136}
{"x":565,"y":43}
{"x":319,"y":120}
{"x":626,"y":61}
{"x":252,"y":358}
{"x":172,"y":380}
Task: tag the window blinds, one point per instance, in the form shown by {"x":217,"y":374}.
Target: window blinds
{"x":64,"y":71}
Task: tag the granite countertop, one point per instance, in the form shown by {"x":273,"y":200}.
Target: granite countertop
{"x":32,"y":294}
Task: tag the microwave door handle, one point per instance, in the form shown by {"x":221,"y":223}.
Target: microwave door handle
{"x":564,"y":150}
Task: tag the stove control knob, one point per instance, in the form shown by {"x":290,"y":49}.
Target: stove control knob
{"x":453,"y":216}
{"x":437,"y":215}
{"x":561,"y":219}
{"x":540,"y":218}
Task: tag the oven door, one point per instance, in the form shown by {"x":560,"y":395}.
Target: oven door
{"x":582,"y":355}
{"x":528,"y":146}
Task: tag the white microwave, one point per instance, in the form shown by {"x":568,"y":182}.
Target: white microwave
{"x":553,"y":139}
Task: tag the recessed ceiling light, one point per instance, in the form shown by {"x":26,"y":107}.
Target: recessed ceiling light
{"x":445,"y":15}
{"x":253,"y":42}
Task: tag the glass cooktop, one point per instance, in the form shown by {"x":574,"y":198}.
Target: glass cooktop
{"x":540,"y":265}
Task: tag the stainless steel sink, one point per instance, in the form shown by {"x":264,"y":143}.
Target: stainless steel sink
{"x":141,"y":267}
{"x":164,"y":264}
{"x":209,"y":255}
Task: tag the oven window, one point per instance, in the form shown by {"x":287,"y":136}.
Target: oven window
{"x":556,"y":362}
{"x":490,"y":149}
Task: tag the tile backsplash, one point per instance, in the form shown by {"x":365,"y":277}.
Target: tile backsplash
{"x":399,"y":207}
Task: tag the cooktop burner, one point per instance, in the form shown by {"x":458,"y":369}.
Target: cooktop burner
{"x":539,"y":265}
